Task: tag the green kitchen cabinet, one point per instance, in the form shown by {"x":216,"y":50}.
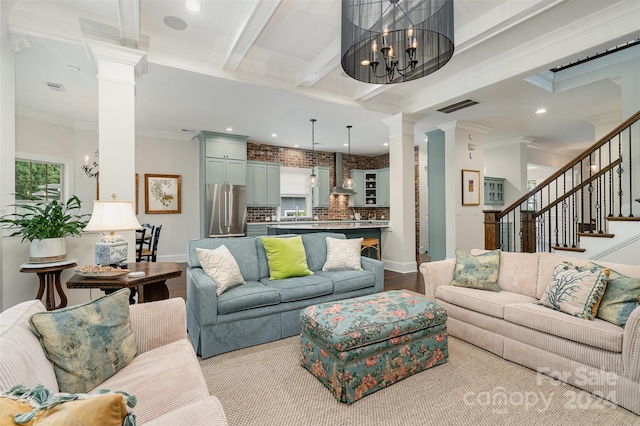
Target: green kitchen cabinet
{"x":493,"y":191}
{"x":321,"y":190}
{"x":263,"y":184}
{"x":221,"y":145}
{"x":357,"y":200}
{"x":382,"y":190}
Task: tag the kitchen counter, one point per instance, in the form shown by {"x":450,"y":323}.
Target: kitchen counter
{"x":350,"y":228}
{"x":330,"y":225}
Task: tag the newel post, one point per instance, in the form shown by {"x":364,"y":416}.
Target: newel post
{"x":491,"y":229}
{"x":528,"y":231}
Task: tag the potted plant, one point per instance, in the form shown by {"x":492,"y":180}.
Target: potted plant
{"x":45,"y":225}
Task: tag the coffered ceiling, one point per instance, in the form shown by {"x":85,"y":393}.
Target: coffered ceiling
{"x":266,"y":67}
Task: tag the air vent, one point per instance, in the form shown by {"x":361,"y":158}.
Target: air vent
{"x":55,"y":86}
{"x":458,"y":106}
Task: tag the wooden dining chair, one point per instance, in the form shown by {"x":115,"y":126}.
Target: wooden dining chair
{"x":150,"y":255}
{"x":140,"y":233}
{"x":149,"y":237}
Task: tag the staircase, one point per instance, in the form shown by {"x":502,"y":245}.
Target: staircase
{"x":589,"y":208}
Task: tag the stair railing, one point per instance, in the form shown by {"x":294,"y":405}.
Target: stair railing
{"x":576,"y":200}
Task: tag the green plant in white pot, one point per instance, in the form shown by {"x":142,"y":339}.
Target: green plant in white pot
{"x":45,"y":225}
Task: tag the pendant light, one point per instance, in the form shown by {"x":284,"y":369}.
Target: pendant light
{"x":314,"y":179}
{"x":349,"y":183}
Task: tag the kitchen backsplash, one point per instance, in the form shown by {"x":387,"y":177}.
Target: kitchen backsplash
{"x":295,"y":157}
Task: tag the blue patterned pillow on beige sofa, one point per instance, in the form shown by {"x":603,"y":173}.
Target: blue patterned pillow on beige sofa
{"x":479,"y":272}
{"x":575,"y":290}
{"x":87,"y":343}
{"x":620,"y":298}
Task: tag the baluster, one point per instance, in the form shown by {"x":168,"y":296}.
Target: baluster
{"x":564,"y":211}
{"x":582,"y":216}
{"x":620,"y":172}
{"x":556,"y":228}
{"x":630,"y":175}
{"x":590,"y":189}
{"x":610,"y":182}
{"x":599,"y":195}
{"x":549,"y":243}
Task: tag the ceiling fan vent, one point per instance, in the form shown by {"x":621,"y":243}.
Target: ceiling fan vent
{"x":55,"y":86}
{"x":458,"y":106}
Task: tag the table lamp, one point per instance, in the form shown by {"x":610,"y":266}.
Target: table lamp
{"x":112,"y":216}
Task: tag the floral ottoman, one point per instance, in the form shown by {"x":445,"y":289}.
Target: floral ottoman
{"x":357,"y":346}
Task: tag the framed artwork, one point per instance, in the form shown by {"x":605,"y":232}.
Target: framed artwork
{"x":162,"y":194}
{"x":470,"y":187}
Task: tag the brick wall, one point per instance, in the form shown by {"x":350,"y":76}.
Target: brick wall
{"x":304,"y":158}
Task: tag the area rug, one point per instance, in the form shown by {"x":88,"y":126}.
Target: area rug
{"x":265,"y":385}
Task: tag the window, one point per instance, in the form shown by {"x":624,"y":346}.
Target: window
{"x":295,"y":192}
{"x":38,"y":179}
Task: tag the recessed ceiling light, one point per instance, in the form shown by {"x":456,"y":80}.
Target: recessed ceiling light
{"x":385,"y":144}
{"x":175,"y":23}
{"x":426,"y":139}
{"x":274,"y":135}
{"x":193,"y":5}
{"x":296,"y":145}
{"x":229,"y":129}
{"x":345,"y":144}
{"x":541,"y":111}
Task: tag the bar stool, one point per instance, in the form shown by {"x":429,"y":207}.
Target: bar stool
{"x":371,"y":243}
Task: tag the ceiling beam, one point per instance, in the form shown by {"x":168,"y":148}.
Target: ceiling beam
{"x":322,"y":65}
{"x":258,"y":19}
{"x":129,"y":21}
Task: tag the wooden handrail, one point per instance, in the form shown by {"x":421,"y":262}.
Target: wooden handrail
{"x":628,"y":122}
{"x":577,"y":188}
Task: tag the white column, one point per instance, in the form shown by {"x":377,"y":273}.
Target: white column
{"x":7,"y":140}
{"x":118,"y":67}
{"x":399,"y":247}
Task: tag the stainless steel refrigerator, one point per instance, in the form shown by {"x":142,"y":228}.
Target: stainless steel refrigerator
{"x":226,"y":210}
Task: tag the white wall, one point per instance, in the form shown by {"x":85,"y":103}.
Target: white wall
{"x":172,"y":157}
{"x":153,"y":155}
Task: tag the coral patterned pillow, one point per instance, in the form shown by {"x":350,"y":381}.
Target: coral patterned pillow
{"x":343,"y":255}
{"x":575,"y":290}
{"x":221,"y":266}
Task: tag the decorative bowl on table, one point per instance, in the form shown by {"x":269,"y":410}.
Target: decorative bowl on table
{"x":99,"y":271}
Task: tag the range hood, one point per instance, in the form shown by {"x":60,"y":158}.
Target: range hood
{"x":338,"y":189}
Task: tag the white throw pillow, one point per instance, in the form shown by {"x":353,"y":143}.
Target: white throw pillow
{"x":343,"y":255}
{"x":220,"y":265}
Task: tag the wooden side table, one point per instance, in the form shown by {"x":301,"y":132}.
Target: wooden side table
{"x":49,"y":276}
{"x":151,"y":286}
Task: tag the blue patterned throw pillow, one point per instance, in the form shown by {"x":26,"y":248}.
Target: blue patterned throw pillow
{"x":575,"y":290}
{"x":87,"y":343}
{"x":620,"y":298}
{"x":479,"y":272}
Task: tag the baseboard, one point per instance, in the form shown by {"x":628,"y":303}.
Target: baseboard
{"x":402,"y":267}
{"x":180,"y":258}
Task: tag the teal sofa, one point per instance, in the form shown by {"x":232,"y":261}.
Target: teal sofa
{"x":264,"y":310}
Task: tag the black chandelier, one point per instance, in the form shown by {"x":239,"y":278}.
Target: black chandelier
{"x":393,"y":41}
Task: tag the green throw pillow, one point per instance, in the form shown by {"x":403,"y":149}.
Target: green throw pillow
{"x":479,"y":272}
{"x":620,"y":298}
{"x":286,"y":257}
{"x":87,"y":343}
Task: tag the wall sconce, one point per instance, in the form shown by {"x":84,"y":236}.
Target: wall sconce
{"x":91,"y":170}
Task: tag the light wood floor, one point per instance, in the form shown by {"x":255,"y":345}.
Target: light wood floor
{"x":392,"y":280}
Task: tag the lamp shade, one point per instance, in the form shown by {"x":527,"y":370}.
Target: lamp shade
{"x":113,"y":216}
{"x":393,"y":41}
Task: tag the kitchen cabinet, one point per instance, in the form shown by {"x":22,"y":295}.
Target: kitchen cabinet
{"x":219,"y":170}
{"x":357,"y":200}
{"x":225,"y":158}
{"x":382,"y":190}
{"x":321,"y":190}
{"x":257,"y":230}
{"x":493,"y":191}
{"x":221,"y":145}
{"x":372,"y":188}
{"x":263,"y":184}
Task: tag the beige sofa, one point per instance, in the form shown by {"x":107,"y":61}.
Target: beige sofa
{"x":165,"y":376}
{"x":596,"y":356}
